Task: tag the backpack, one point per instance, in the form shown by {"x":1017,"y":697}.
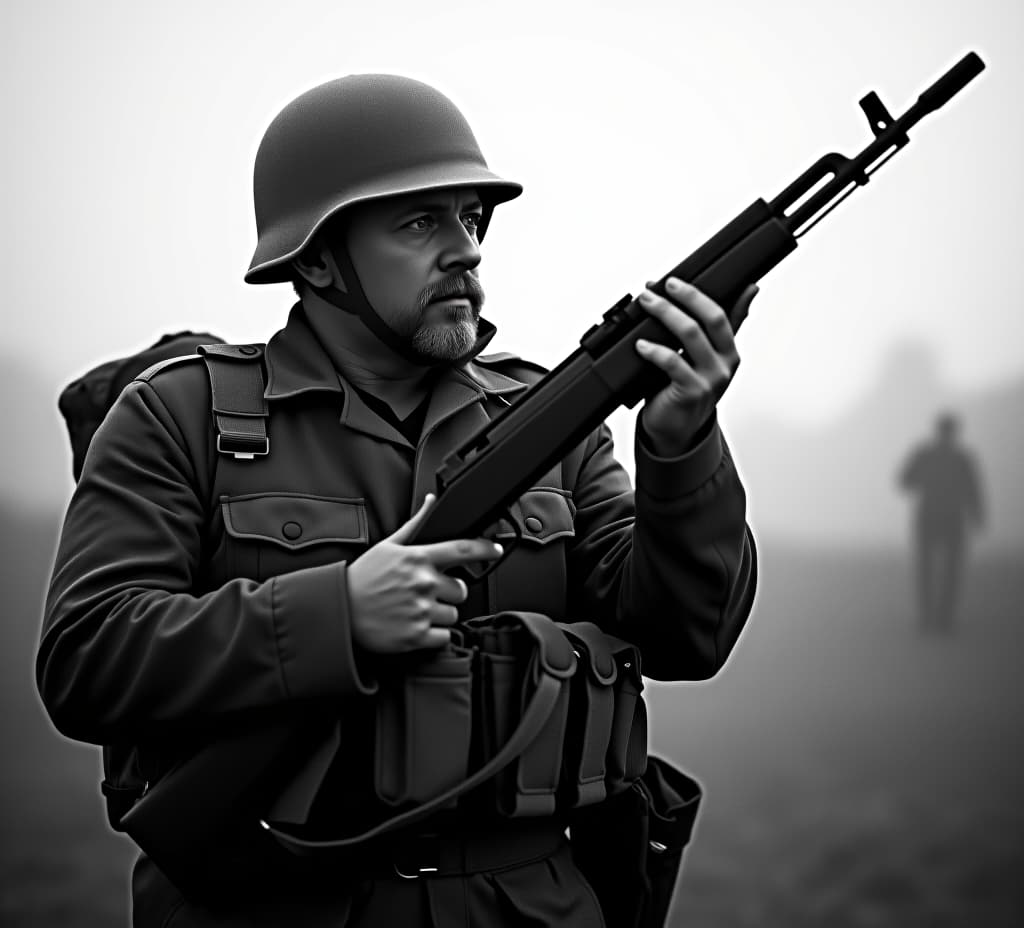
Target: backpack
{"x":84,"y":403}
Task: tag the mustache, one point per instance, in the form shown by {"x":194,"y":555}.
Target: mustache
{"x":453,"y":286}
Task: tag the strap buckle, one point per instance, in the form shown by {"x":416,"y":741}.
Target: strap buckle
{"x":417,"y":857}
{"x":242,"y":448}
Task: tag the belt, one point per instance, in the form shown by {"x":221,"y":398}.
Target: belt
{"x":432,"y":854}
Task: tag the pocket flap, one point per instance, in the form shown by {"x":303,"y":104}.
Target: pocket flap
{"x":543,"y":514}
{"x":294,"y":520}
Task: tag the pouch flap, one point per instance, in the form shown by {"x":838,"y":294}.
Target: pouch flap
{"x":595,"y":648}
{"x":501,"y":634}
{"x":625,"y":655}
{"x":294,"y":520}
{"x":554,"y":652}
{"x":543,"y":514}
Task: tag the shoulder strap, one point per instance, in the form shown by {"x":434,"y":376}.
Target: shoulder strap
{"x":239,"y":407}
{"x":150,"y":372}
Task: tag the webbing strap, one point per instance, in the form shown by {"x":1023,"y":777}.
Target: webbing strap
{"x":553,"y":664}
{"x":239,"y":407}
{"x":594,"y":715}
{"x":533,"y":719}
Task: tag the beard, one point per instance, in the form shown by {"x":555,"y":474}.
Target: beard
{"x":447,"y":341}
{"x":450,"y":337}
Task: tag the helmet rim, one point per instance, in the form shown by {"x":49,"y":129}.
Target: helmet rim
{"x":291,"y":235}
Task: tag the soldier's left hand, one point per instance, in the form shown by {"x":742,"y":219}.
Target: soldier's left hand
{"x":700,"y":374}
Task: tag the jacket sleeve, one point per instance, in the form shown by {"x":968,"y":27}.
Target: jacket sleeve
{"x":672,"y":567}
{"x":127,"y":643}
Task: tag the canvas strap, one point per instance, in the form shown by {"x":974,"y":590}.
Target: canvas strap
{"x":239,"y":406}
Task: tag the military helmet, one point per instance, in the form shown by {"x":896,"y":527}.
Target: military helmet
{"x":358,"y":138}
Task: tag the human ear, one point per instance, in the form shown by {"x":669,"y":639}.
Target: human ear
{"x":316,"y":265}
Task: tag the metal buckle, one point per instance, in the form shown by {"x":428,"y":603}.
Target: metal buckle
{"x":243,"y":455}
{"x":414,"y":876}
{"x":419,"y":856}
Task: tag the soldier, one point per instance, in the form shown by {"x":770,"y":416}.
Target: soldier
{"x":943,"y":477}
{"x":173,"y":616}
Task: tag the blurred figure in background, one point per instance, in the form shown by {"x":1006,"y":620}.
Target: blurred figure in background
{"x":943,"y":476}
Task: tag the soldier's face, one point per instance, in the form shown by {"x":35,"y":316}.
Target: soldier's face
{"x":416,"y":256}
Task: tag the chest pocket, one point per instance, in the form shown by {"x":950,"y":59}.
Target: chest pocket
{"x":533,"y":577}
{"x":267,"y":534}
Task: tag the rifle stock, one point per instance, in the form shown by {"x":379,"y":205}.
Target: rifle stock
{"x":481,"y":479}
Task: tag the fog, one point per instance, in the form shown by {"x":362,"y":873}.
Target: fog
{"x":857,"y":771}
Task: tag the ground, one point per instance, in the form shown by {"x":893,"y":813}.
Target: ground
{"x":857,"y":772}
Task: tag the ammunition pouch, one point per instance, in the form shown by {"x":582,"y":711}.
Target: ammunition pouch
{"x":513,"y":650}
{"x":456,"y":709}
{"x":520,"y":717}
{"x":606,"y":738}
{"x":422,"y":727}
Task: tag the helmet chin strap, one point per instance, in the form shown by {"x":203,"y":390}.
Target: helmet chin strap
{"x":355,"y":301}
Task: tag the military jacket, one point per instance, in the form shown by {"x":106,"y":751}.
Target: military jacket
{"x":171,"y":611}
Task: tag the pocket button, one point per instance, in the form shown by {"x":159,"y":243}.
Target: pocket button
{"x":533,"y":524}
{"x":291,"y":530}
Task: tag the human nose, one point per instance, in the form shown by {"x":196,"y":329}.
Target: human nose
{"x":461,"y":250}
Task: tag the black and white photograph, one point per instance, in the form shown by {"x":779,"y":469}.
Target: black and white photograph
{"x":545,"y":465}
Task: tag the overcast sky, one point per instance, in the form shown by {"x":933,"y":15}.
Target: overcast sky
{"x":637,"y":130}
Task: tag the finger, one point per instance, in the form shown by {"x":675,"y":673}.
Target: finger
{"x":435,"y":638}
{"x":687,"y":331}
{"x":444,"y":554}
{"x":741,"y":309}
{"x":443,"y":615}
{"x":712,"y":317}
{"x":673,"y":365}
{"x":403,"y":533}
{"x":451,"y":590}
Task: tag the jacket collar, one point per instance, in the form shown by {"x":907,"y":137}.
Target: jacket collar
{"x":297,"y":363}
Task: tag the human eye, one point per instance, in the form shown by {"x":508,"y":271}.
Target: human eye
{"x":472,"y":220}
{"x":422,"y":223}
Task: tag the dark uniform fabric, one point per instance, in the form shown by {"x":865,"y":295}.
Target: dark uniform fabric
{"x":171,"y":613}
{"x":548,"y":891}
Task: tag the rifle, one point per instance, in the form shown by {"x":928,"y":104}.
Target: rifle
{"x":478,"y":481}
{"x":497,"y":464}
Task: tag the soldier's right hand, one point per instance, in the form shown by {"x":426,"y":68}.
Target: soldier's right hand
{"x":400,"y":599}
